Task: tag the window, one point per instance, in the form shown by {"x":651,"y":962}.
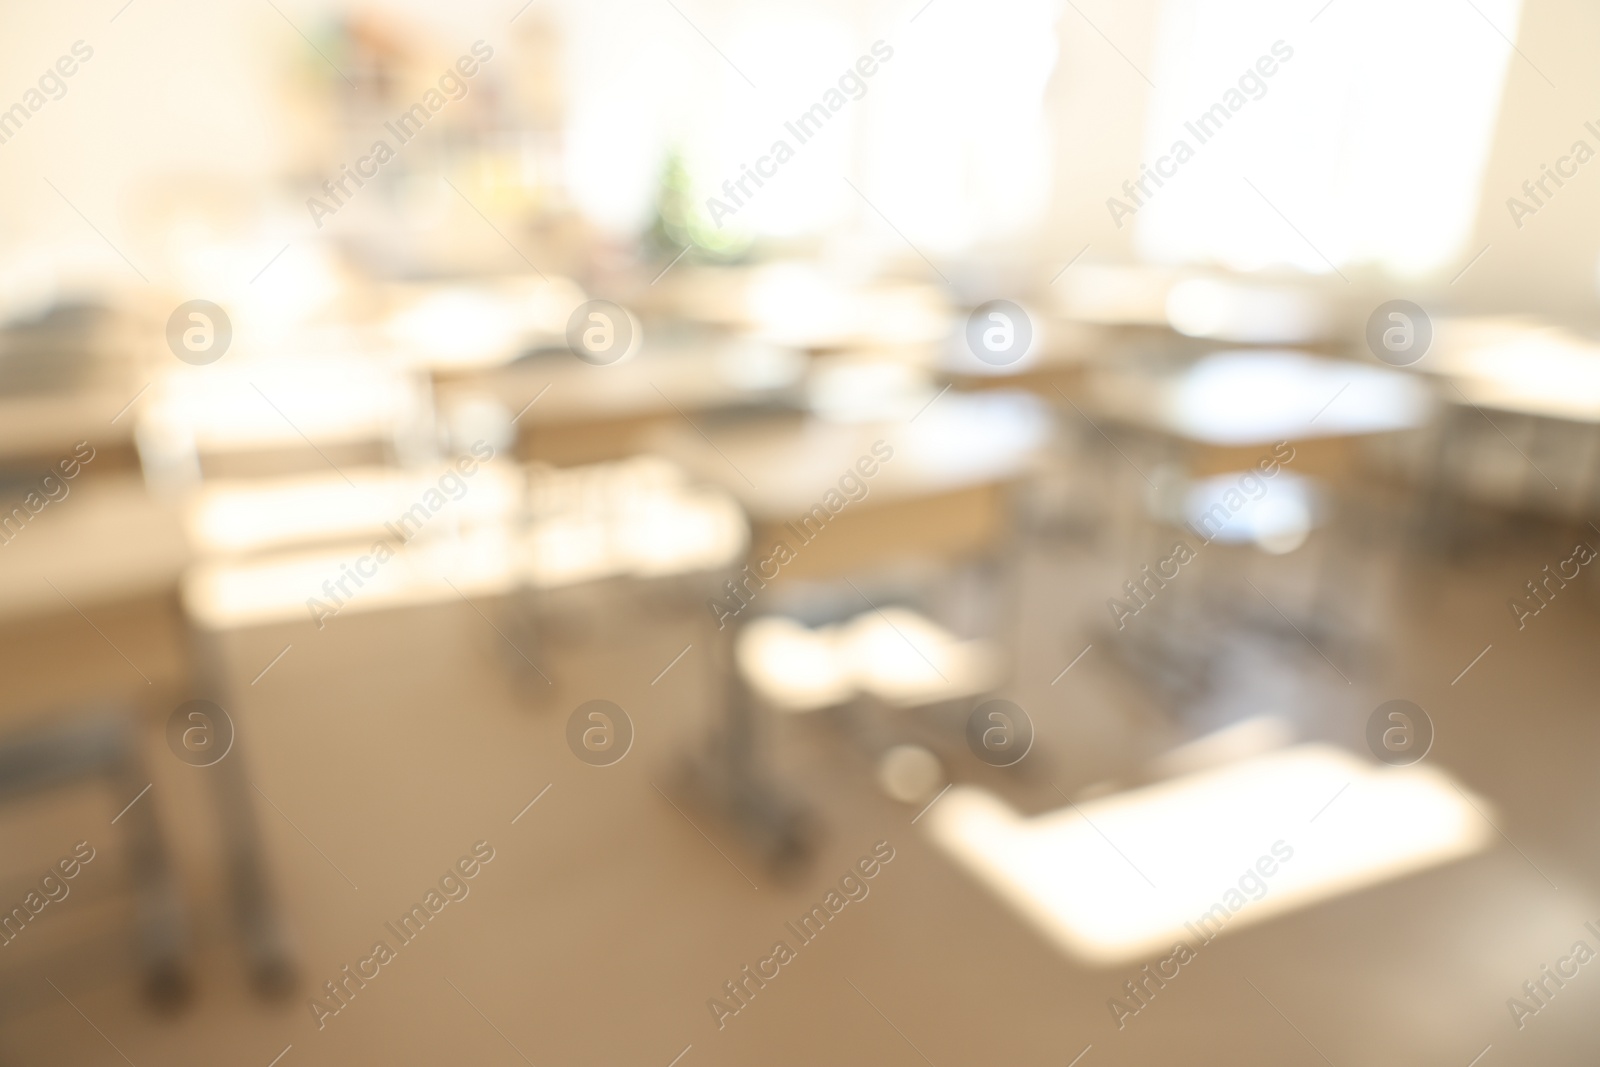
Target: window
{"x":1370,"y":140}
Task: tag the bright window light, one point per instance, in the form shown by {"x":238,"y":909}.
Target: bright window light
{"x":957,"y":148}
{"x":1369,"y":83}
{"x":949,"y":137}
{"x":1181,"y":847}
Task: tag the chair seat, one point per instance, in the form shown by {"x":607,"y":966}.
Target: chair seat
{"x":896,"y":655}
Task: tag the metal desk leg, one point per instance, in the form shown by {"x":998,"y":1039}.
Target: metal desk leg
{"x":162,"y":930}
{"x":732,"y":780}
{"x":266,"y":941}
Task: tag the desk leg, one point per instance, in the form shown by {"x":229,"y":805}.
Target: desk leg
{"x":255,"y":909}
{"x":162,"y":932}
{"x":732,"y":780}
{"x":1438,"y":518}
{"x":530,"y":646}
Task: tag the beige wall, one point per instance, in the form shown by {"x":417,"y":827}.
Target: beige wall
{"x":1549,"y":265}
{"x":170,"y":93}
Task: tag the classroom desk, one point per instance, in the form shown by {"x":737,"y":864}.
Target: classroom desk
{"x":46,"y":426}
{"x":1229,"y":406}
{"x":252,"y":553}
{"x":1526,"y":384}
{"x":269,"y":415}
{"x":303,"y":550}
{"x":1224,"y":308}
{"x":942,"y":491}
{"x":1246,"y":397}
{"x":934,"y":486}
{"x":66,"y":374}
{"x":510,"y":529}
{"x":713,"y":338}
{"x":1064,"y":354}
{"x":1520,"y":366}
{"x":590,"y":414}
{"x":1212,"y":422}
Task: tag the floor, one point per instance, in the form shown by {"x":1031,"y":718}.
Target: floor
{"x":385,"y":747}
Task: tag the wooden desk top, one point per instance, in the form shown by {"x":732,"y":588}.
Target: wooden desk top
{"x":779,"y":469}
{"x":106,"y":540}
{"x":1517,"y":365}
{"x":1253,"y":397}
{"x":660,"y":380}
{"x":45,"y":424}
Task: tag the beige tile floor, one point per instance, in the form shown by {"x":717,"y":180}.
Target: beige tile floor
{"x":392,"y":743}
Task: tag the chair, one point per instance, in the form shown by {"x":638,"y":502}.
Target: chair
{"x":100,"y":746}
